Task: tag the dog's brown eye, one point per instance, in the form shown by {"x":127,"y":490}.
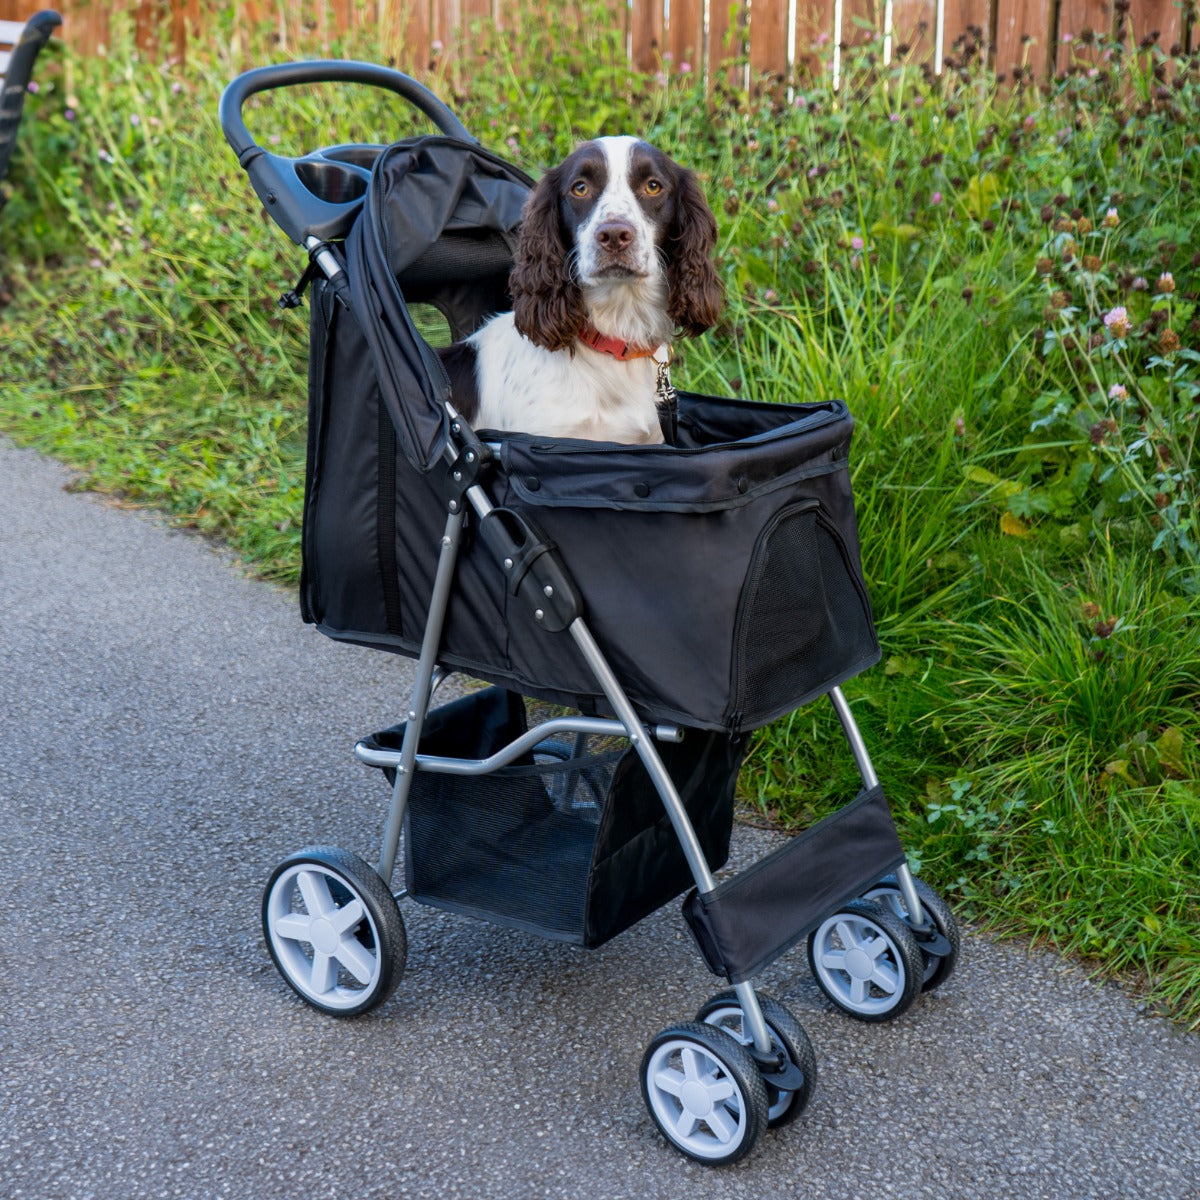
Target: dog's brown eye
{"x":653,"y":187}
{"x":580,"y":188}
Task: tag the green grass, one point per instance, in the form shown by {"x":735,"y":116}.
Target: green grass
{"x":1003,"y":287}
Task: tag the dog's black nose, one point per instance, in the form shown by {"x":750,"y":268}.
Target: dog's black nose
{"x":615,"y":236}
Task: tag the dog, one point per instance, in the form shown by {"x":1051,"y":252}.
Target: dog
{"x":613,"y":259}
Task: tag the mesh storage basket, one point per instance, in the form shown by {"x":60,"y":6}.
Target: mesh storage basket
{"x":571,"y":842}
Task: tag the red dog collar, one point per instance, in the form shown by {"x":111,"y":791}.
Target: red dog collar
{"x":615,"y":346}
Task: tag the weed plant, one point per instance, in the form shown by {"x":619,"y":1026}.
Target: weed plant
{"x":1002,"y":284}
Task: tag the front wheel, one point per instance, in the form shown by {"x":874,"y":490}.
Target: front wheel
{"x":939,"y":962}
{"x":334,"y":931}
{"x":704,"y":1092}
{"x":866,"y":960}
{"x":724,"y":1011}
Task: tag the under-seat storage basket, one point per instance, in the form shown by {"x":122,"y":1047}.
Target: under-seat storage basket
{"x":571,"y":842}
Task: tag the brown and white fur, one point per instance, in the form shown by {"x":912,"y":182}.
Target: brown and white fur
{"x":616,"y":247}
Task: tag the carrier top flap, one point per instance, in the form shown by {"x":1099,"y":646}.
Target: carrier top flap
{"x":439,"y":219}
{"x":728,"y":453}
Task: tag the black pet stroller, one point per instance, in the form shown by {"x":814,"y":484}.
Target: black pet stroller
{"x":673,"y":598}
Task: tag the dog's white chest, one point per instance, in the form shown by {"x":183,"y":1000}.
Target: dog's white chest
{"x":524,"y":388}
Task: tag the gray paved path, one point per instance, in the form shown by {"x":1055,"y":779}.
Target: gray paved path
{"x":169,"y":730}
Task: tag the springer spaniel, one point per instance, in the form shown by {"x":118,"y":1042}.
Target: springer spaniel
{"x":613,"y":258}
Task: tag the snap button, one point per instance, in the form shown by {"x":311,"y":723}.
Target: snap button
{"x":641,"y":489}
{"x":532,"y":482}
{"x":743,"y":485}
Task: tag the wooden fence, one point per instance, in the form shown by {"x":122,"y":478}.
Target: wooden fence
{"x":780,"y":37}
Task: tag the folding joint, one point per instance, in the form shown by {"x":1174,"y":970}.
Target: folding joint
{"x":533,"y":571}
{"x":472,"y":465}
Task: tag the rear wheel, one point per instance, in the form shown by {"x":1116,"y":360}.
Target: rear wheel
{"x":334,"y":931}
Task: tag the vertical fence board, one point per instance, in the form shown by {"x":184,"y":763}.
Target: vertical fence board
{"x":814,"y":35}
{"x":1077,"y":19}
{"x":1022,"y":36}
{"x":966,"y":23}
{"x":726,"y":32}
{"x":914,"y":29}
{"x":861,"y":21}
{"x":769,"y":38}
{"x":685,"y":33}
{"x":1147,"y":17}
{"x":647,"y":19}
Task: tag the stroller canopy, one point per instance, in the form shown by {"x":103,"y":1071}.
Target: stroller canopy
{"x":438,"y":227}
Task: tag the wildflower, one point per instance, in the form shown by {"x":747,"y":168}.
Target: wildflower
{"x":1084,"y":225}
{"x":1044,"y":266}
{"x":1092,"y":263}
{"x":1117,"y":322}
{"x":1168,"y":341}
{"x":1118,"y":391}
{"x":856,"y":243}
{"x":1139,"y":284}
{"x":685,"y":68}
{"x":437,"y":46}
{"x":1166,"y":284}
{"x":33,"y":87}
{"x":1111,"y":219}
{"x":1060,"y":300}
{"x":1101,"y":430}
{"x":69,"y":114}
{"x":1030,"y":121}
{"x":134,"y":119}
{"x":936,"y":198}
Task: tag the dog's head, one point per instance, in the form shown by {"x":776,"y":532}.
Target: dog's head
{"x":616,"y":214}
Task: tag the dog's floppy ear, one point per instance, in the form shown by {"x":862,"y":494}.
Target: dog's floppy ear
{"x":547,"y":303}
{"x":696,"y":292}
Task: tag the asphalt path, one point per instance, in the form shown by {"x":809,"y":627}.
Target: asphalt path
{"x":170,"y":730}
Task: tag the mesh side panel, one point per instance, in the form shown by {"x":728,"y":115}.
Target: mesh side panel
{"x":514,"y":846}
{"x":803,"y":612}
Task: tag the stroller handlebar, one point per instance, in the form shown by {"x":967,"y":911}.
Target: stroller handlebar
{"x":319,"y":195}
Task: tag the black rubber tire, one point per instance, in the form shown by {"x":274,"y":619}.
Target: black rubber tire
{"x":782,"y":1107}
{"x":735,"y":1065}
{"x":938,"y":967}
{"x":380,"y":931}
{"x":900,"y":952}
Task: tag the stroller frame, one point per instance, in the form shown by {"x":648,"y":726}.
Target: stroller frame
{"x":712,"y":1084}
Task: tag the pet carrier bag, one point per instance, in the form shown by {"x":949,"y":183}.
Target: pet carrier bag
{"x":720,"y":575}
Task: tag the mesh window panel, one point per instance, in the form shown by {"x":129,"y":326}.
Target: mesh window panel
{"x":802,"y":610}
{"x":514,"y":846}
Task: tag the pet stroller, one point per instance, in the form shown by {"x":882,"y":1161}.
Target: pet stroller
{"x":545,"y":570}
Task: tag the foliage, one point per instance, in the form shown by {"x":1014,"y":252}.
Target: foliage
{"x":1003,"y":285}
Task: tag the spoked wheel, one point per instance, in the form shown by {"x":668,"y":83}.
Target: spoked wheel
{"x":705,"y":1093}
{"x":940,"y":953}
{"x":334,"y":931}
{"x":725,"y":1012}
{"x":866,"y":960}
